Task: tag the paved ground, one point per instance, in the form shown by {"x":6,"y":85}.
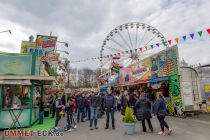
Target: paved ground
{"x":184,"y":129}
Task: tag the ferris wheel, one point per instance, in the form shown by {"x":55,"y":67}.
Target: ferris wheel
{"x":130,"y":43}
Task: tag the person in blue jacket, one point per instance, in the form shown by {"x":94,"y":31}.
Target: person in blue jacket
{"x":109,"y":104}
{"x":160,"y":110}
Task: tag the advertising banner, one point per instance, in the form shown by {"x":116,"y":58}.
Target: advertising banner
{"x":50,"y":57}
{"x":31,"y":47}
{"x":207,"y":93}
{"x":187,"y":93}
{"x":47,"y":43}
{"x":16,"y":64}
{"x":152,"y":69}
{"x":25,"y":45}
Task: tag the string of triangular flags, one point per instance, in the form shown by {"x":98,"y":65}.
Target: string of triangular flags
{"x":152,"y":46}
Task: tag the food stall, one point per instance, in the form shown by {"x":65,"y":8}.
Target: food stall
{"x":20,"y":90}
{"x":159,"y":72}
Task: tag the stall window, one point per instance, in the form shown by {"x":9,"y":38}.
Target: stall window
{"x":37,"y":95}
{"x":15,"y":96}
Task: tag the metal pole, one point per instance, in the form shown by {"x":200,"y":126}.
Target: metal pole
{"x":68,"y":77}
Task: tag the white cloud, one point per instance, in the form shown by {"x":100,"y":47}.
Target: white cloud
{"x":85,"y":24}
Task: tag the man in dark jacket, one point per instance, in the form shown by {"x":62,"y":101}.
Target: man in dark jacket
{"x":87,"y":106}
{"x":41,"y":111}
{"x":143,"y":112}
{"x":53,"y":105}
{"x":80,"y":107}
{"x":109,"y":104}
{"x":69,"y":110}
{"x":124,"y":102}
{"x":95,"y":103}
{"x":63,"y":99}
{"x":132,"y":100}
{"x":58,"y":108}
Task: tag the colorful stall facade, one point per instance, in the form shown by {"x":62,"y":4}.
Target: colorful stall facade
{"x":20,"y":89}
{"x":162,"y":66}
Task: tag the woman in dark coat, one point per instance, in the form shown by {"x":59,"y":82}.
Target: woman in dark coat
{"x":161,"y":111}
{"x":143,"y":112}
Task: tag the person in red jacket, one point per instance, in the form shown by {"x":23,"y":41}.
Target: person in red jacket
{"x":74,"y":102}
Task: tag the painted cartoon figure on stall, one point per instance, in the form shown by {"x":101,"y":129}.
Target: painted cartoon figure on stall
{"x":154,"y":69}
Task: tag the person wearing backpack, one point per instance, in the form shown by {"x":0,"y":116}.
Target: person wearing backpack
{"x":161,"y":111}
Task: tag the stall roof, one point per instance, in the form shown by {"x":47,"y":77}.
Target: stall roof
{"x":44,"y":79}
{"x":27,"y":77}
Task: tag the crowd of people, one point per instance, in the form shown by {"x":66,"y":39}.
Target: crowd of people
{"x":90,"y":105}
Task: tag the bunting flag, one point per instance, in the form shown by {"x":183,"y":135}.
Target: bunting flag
{"x":130,"y":51}
{"x":140,"y":49}
{"x":126,"y":51}
{"x":200,"y":33}
{"x":136,"y":50}
{"x":208,"y":30}
{"x":145,"y":47}
{"x":192,"y":35}
{"x":184,"y":37}
{"x":158,"y":44}
{"x":118,"y":54}
{"x":151,"y":46}
{"x":169,"y":42}
{"x":164,"y":43}
{"x":177,"y":40}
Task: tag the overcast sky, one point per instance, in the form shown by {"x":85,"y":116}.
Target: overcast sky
{"x":85,"y":24}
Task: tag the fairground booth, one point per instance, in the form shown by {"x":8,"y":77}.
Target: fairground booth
{"x":160,"y":72}
{"x":20,"y":89}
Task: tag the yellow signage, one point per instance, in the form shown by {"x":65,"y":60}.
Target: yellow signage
{"x":207,"y":88}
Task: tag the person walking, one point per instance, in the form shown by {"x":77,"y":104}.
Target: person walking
{"x":95,"y":103}
{"x":50,"y":101}
{"x":124,"y":102}
{"x":161,"y":111}
{"x":109,"y":104}
{"x":80,"y":107}
{"x":118,"y":102}
{"x":87,"y":106}
{"x":53,"y":105}
{"x":69,"y":111}
{"x":143,"y":112}
{"x":58,"y":108}
{"x":41,"y":111}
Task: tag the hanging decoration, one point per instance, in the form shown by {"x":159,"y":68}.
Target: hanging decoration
{"x":152,"y":46}
{"x":200,"y":33}
{"x":208,"y":30}
{"x":169,"y":42}
{"x":177,"y":40}
{"x":192,"y":35}
{"x":184,"y":37}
